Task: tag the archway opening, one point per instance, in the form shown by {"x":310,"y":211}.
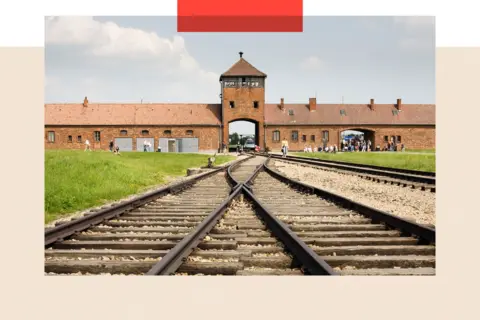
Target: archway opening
{"x":357,"y":140}
{"x":243,"y":132}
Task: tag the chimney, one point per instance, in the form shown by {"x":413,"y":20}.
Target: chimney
{"x":85,"y":102}
{"x":241,"y":54}
{"x":312,"y":104}
{"x":399,"y":104}
{"x":372,"y":104}
{"x":282,"y":104}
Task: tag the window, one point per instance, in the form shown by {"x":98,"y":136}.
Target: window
{"x":96,"y":136}
{"x":51,"y":136}
{"x":145,"y":132}
{"x":79,"y":138}
{"x":304,"y":138}
{"x":312,"y":138}
{"x":70,"y":139}
{"x":295,"y":135}
{"x":385,"y":139}
{"x":232,"y":104}
{"x":255,"y":104}
{"x":123,"y":132}
{"x":290,"y":112}
{"x":343,"y":112}
{"x":399,"y":139}
{"x":325,"y":135}
{"x":190,"y":132}
{"x":276,"y":136}
{"x":167,"y":132}
{"x":243,"y":81}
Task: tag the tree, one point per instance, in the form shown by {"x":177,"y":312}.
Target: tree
{"x":234,"y":138}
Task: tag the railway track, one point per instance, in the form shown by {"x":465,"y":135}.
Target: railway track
{"x":245,"y":220}
{"x":351,"y":238}
{"x":248,"y":246}
{"x":421,"y":180}
{"x":130,"y":239}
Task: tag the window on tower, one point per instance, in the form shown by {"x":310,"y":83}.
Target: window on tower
{"x":232,"y":104}
{"x":255,"y":104}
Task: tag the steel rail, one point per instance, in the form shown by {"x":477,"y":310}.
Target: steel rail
{"x":230,"y":169}
{"x":177,"y":255}
{"x":368,"y":166}
{"x":304,"y":256}
{"x":426,"y":235}
{"x":68,"y":229}
{"x":354,"y":168}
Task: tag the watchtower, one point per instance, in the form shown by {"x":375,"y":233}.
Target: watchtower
{"x":243,"y":98}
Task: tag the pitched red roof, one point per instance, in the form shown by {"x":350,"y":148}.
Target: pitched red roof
{"x":129,"y":114}
{"x":210,"y":114}
{"x":243,"y":68}
{"x":355,"y":114}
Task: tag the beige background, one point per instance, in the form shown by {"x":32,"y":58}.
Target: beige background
{"x":27,"y":294}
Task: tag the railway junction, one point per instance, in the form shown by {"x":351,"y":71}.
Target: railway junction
{"x":250,"y":218}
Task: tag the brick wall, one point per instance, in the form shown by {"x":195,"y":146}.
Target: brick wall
{"x":208,"y":137}
{"x":412,"y":137}
{"x":244,"y":108}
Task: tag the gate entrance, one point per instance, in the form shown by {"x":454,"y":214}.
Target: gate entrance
{"x":243,"y":132}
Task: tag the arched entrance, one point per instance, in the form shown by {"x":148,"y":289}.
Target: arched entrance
{"x":242,"y":131}
{"x":357,"y":134}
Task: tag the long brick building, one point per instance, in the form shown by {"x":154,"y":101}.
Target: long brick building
{"x":189,"y":127}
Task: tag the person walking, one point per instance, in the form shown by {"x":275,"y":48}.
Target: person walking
{"x":145,"y":145}
{"x":224,"y":148}
{"x":284,"y":147}
{"x":87,"y":145}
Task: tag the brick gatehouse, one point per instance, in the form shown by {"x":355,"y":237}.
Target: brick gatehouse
{"x":188,"y":127}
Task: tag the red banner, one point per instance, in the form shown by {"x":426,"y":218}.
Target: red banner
{"x":240,"y":16}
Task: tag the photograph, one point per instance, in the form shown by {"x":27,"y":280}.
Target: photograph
{"x":240,"y":153}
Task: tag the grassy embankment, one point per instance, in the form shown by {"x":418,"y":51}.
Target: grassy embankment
{"x":421,"y":161}
{"x":76,"y":180}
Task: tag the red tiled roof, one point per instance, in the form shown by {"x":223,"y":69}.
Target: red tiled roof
{"x":355,"y":114}
{"x":129,"y":114}
{"x":209,"y":114}
{"x":243,"y":68}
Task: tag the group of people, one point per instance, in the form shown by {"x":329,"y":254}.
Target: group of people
{"x":392,"y":146}
{"x":353,"y":145}
{"x":113,"y":147}
{"x":332,"y":149}
{"x":356,"y":145}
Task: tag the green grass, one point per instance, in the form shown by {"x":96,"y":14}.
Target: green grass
{"x":76,"y":180}
{"x":422,"y":162}
{"x":421,"y":150}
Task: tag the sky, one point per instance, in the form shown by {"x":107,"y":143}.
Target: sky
{"x":335,"y":59}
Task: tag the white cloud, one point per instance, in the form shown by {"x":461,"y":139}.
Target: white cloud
{"x":125,"y":47}
{"x":312,"y":63}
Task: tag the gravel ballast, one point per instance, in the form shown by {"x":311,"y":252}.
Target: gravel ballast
{"x":404,"y":202}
